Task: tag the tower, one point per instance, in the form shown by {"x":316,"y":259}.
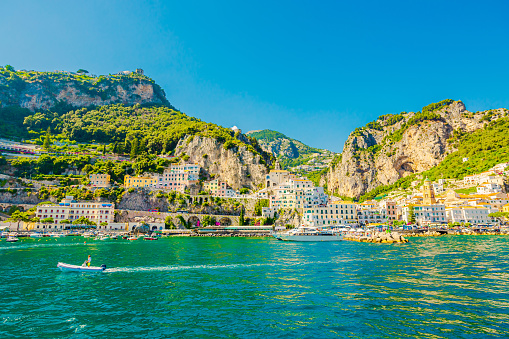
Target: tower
{"x":277,"y":166}
{"x":428,"y":195}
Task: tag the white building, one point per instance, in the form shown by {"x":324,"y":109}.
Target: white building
{"x":71,"y":210}
{"x":371,"y":216}
{"x":426,"y":214}
{"x":269,"y":212}
{"x":470,"y":214}
{"x":335,"y":213}
{"x":278,"y":177}
{"x":298,"y":193}
{"x":487,"y":187}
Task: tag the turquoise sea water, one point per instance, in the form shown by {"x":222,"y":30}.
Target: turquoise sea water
{"x":447,"y":287}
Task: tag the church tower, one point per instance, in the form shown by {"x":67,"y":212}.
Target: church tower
{"x":277,"y":166}
{"x":428,"y":195}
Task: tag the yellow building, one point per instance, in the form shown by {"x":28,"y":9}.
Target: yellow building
{"x":99,"y":180}
{"x":145,"y":182}
{"x":505,"y":208}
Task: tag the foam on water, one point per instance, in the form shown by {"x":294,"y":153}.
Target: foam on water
{"x":208,"y":267}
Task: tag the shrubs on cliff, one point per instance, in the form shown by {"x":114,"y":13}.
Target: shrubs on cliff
{"x":157,"y":129}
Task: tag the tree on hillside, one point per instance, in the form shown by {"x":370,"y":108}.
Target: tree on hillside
{"x":134,"y":148}
{"x":47,"y":140}
{"x":18,"y":217}
{"x":241,"y":216}
{"x":82,"y":71}
{"x":10,"y":68}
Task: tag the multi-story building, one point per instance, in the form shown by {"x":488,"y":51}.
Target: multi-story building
{"x":99,"y":180}
{"x":140,"y":182}
{"x":471,"y":214}
{"x":391,"y":209}
{"x":425,"y":214}
{"x":70,"y":210}
{"x":226,"y":193}
{"x":277,"y":177}
{"x":484,"y":177}
{"x":178,"y":177}
{"x":368,"y":216}
{"x":488,"y":187}
{"x":298,"y":193}
{"x":215,"y":186}
{"x":334,"y":213}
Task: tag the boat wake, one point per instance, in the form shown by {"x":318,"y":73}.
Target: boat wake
{"x":207,"y":267}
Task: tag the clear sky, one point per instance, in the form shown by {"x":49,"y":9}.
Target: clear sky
{"x":313,"y":70}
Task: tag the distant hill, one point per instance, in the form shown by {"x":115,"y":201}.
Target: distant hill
{"x":290,"y":152}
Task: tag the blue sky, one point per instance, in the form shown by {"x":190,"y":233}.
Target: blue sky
{"x":313,"y":70}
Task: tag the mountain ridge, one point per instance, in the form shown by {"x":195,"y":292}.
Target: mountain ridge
{"x":395,"y":146}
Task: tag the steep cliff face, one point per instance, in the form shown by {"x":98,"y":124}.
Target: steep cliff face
{"x":395,"y":146}
{"x":46,"y":90}
{"x":238,"y":166}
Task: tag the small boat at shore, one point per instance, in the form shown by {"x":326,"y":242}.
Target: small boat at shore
{"x":36,"y":235}
{"x":12,"y":239}
{"x":132,"y":238}
{"x":75,"y":268}
{"x":151,"y":238}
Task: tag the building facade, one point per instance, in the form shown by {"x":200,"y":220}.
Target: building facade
{"x":335,"y":213}
{"x":425,"y":214}
{"x":99,"y":180}
{"x":178,"y":177}
{"x":70,"y":210}
{"x":140,"y":182}
{"x":470,"y":214}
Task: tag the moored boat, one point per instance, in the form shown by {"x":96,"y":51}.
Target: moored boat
{"x":36,"y":235}
{"x":132,"y":238}
{"x":75,"y":268}
{"x":308,"y":234}
{"x":12,"y":239}
{"x":151,"y":238}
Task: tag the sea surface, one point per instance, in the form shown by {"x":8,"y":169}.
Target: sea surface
{"x":446,"y":287}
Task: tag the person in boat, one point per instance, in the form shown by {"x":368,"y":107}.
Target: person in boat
{"x":88,"y":261}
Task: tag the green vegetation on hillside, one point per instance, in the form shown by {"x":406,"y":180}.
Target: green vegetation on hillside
{"x":153,"y":129}
{"x":304,"y":151}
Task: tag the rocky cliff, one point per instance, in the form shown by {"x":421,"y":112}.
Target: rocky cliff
{"x":238,"y":166}
{"x":48,"y":90}
{"x":395,"y":146}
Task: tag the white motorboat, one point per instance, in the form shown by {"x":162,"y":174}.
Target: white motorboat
{"x":11,"y":239}
{"x":36,"y":235}
{"x":75,"y":268}
{"x":132,"y":238}
{"x":307,"y":234}
{"x":104,"y":238}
